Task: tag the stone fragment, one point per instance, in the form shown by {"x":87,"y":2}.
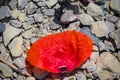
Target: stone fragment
{"x":94,"y":56}
{"x":32,"y":40}
{"x":111,"y":18}
{"x":30,"y":78}
{"x":27,"y":34}
{"x":48,"y":12}
{"x":39,"y":74}
{"x":95,"y":11}
{"x":9,"y":33}
{"x":86,"y":31}
{"x":115,"y":5}
{"x":2,"y":48}
{"x":41,"y":4}
{"x":70,"y":78}
{"x":118,"y":23}
{"x":4,"y":12}
{"x":74,"y":26}
{"x":22,"y":4}
{"x":95,"y":48}
{"x":68,"y":17}
{"x":2,"y":27}
{"x":30,"y":20}
{"x":109,"y":45}
{"x":91,"y":66}
{"x":6,"y":71}
{"x":54,"y":25}
{"x":51,"y":3}
{"x":16,"y":46}
{"x":15,"y":13}
{"x":19,"y":77}
{"x":38,"y":17}
{"x":20,"y":62}
{"x":116,"y":36}
{"x":13,"y":4}
{"x":80,"y":76}
{"x":101,"y":29}
{"x":16,"y":23}
{"x":21,"y":17}
{"x":26,"y":26}
{"x":110,"y":62}
{"x":102,"y":46}
{"x":86,"y":19}
{"x":31,"y":8}
{"x":36,"y":0}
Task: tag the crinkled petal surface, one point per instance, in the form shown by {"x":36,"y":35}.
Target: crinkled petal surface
{"x":70,"y":49}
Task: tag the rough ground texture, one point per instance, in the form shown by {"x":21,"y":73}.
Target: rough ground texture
{"x":22,"y":22}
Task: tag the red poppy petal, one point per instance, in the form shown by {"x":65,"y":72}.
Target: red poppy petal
{"x":68,"y":49}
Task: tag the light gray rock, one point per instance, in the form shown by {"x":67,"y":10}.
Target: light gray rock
{"x":22,"y":4}
{"x":39,"y":74}
{"x":2,"y":27}
{"x":13,"y":4}
{"x":15,"y":13}
{"x":2,"y":48}
{"x":86,"y":19}
{"x":116,"y":36}
{"x":91,"y":66}
{"x":51,"y":3}
{"x":110,"y":62}
{"x":16,"y":46}
{"x":86,"y":31}
{"x":27,"y":34}
{"x":21,"y":17}
{"x":95,"y":48}
{"x":32,"y":40}
{"x":74,"y":26}
{"x":54,"y":25}
{"x":95,"y":11}
{"x":26,"y":26}
{"x":30,"y":20}
{"x":20,"y":62}
{"x":16,"y":23}
{"x":109,"y":45}
{"x":7,"y":71}
{"x":101,"y":29}
{"x":94,"y":56}
{"x":41,"y":4}
{"x":19,"y":77}
{"x":118,"y":23}
{"x":36,"y":0}
{"x":80,"y":76}
{"x":31,"y":8}
{"x":9,"y":33}
{"x":48,"y":12}
{"x":111,"y":18}
{"x":4,"y":12}
{"x":30,"y":78}
{"x":68,"y":17}
{"x":38,"y":17}
{"x":115,"y":5}
{"x":70,"y":78}
{"x":102,"y":46}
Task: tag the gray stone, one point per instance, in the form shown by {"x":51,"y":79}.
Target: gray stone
{"x":95,"y":11}
{"x":13,"y":4}
{"x":39,"y":74}
{"x":38,"y":17}
{"x":27,"y":34}
{"x":31,"y":8}
{"x":32,"y":40}
{"x":86,"y":19}
{"x":51,"y":3}
{"x":118,"y":23}
{"x":30,"y":20}
{"x":19,"y":77}
{"x":68,"y":17}
{"x":22,"y":17}
{"x":30,"y":78}
{"x":2,"y":48}
{"x":48,"y":12}
{"x":16,"y":23}
{"x":70,"y":78}
{"x":91,"y":66}
{"x":102,"y":46}
{"x":110,"y":62}
{"x":41,"y":4}
{"x":22,"y":4}
{"x":95,"y":48}
{"x":9,"y":33}
{"x":7,"y":71}
{"x":111,"y":18}
{"x":86,"y":31}
{"x":80,"y":76}
{"x":26,"y":26}
{"x":36,"y":0}
{"x":20,"y":62}
{"x":15,"y":13}
{"x":2,"y":27}
{"x":4,"y":12}
{"x":109,"y":45}
{"x":94,"y":56}
{"x":54,"y":25}
{"x":115,"y":5}
{"x":116,"y":36}
{"x":74,"y":26}
{"x":16,"y":46}
{"x":101,"y":29}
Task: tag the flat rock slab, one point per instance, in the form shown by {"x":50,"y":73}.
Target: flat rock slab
{"x":9,"y":33}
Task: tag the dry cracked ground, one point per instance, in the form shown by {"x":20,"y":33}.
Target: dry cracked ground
{"x":22,"y":22}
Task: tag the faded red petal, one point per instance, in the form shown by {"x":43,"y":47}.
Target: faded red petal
{"x":68,"y":49}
